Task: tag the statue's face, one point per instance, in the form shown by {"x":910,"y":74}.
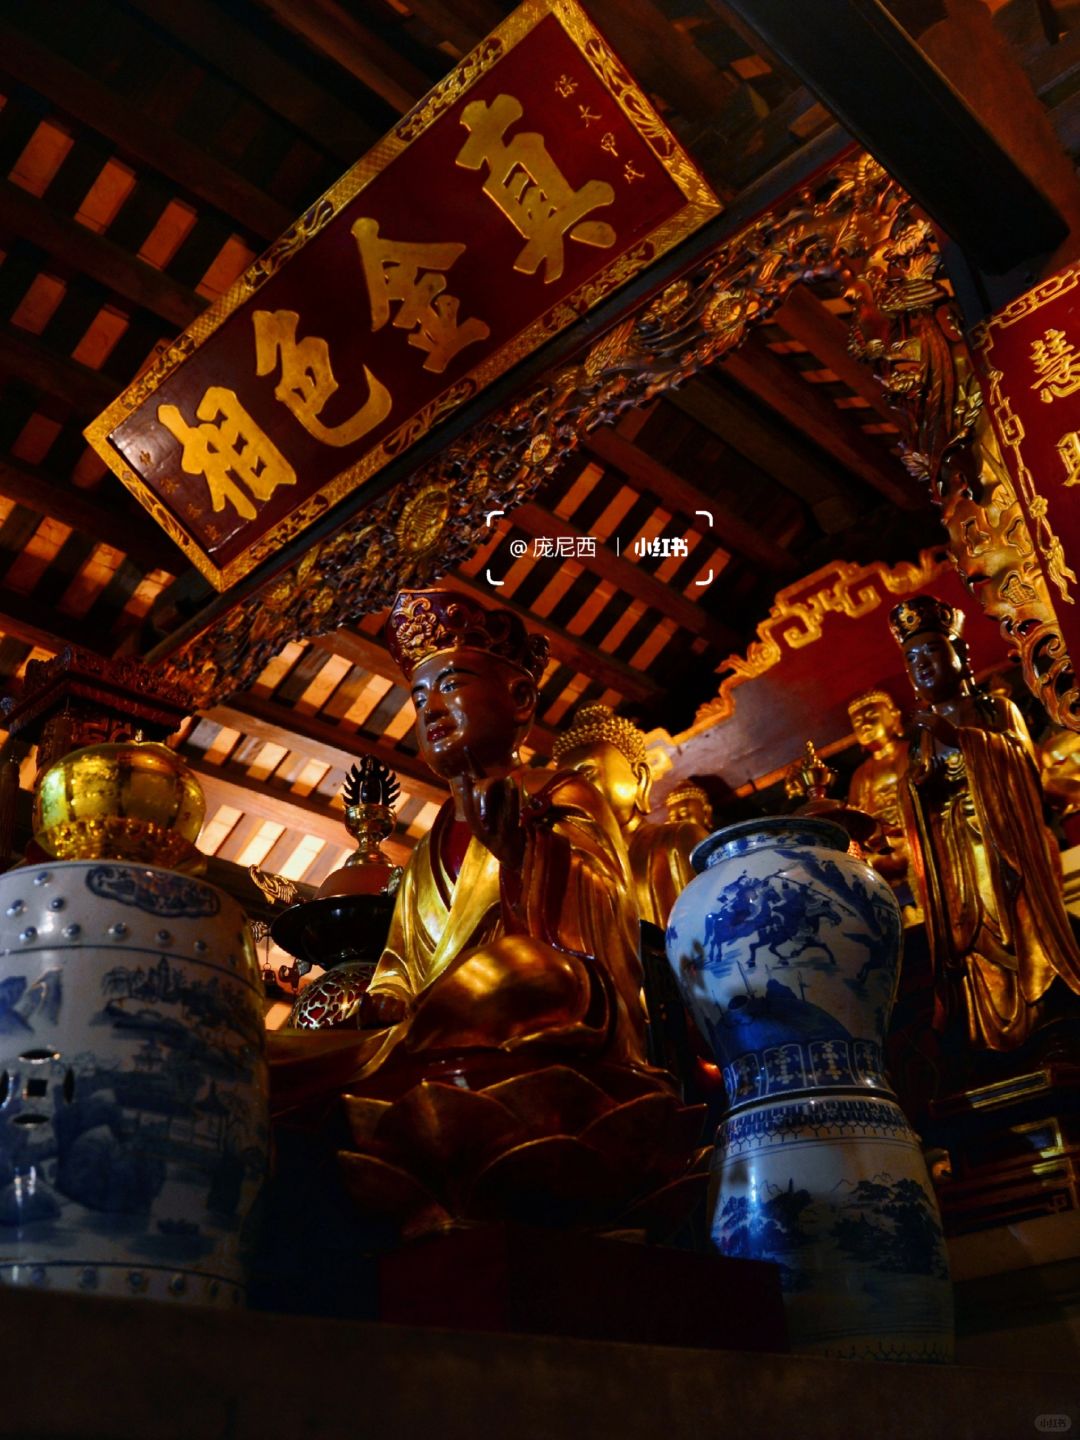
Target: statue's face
{"x":934,"y":665}
{"x":688,"y":808}
{"x":874,"y":723}
{"x":472,"y":711}
{"x":612,"y":774}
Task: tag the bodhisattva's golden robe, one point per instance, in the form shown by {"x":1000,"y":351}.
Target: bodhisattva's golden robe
{"x":545,"y":957}
{"x":988,"y":878}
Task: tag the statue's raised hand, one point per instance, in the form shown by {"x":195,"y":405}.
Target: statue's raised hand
{"x":492,"y":806}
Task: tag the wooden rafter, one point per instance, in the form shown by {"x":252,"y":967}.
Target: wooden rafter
{"x":277,"y":724}
{"x":806,"y":319}
{"x":720,"y":409}
{"x":95,"y":255}
{"x":464,"y":23}
{"x":267,"y":802}
{"x":126,"y":125}
{"x":672,"y":489}
{"x":586,"y":659}
{"x":284,"y":89}
{"x":86,"y":391}
{"x":329,"y":28}
{"x":130,"y":529}
{"x":21,"y":618}
{"x":765,"y":375}
{"x":534,"y":520}
{"x":665,"y":59}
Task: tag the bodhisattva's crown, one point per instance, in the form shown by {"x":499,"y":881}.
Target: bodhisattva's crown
{"x":596,"y":723}
{"x":424,"y":622}
{"x":925,"y":612}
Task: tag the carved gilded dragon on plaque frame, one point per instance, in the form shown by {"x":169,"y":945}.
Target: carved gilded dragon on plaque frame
{"x":856,"y":226}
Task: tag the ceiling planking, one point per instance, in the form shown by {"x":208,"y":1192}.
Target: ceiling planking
{"x":149,"y":150}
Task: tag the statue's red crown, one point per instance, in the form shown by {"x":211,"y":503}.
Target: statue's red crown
{"x":925,"y":612}
{"x":424,"y":622}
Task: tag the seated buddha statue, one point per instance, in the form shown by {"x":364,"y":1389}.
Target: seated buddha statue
{"x":983,"y":861}
{"x":610,"y":752}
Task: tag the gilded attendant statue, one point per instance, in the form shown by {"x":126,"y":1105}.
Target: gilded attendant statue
{"x":610,"y":751}
{"x":689,"y":804}
{"x":876,"y":785}
{"x":997,"y":928}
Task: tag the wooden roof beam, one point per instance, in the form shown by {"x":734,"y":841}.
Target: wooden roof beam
{"x":534,"y":520}
{"x":757,"y":369}
{"x":733,"y":419}
{"x":806,"y":318}
{"x":278,"y":724}
{"x":671,"y":489}
{"x":243,"y":59}
{"x":124,"y":124}
{"x":463,"y":22}
{"x":20,"y":618}
{"x":88,"y":253}
{"x":130,"y":529}
{"x":329,"y":28}
{"x":614,"y":674}
{"x":29,"y":359}
{"x":665,"y":59}
{"x":266,"y":802}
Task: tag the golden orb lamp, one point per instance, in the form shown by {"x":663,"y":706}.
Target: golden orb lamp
{"x":130,"y":800}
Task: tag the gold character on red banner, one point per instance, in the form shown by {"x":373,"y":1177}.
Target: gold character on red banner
{"x":530,"y":189}
{"x":407,"y":274}
{"x":1068,"y":448}
{"x":1057,"y":365}
{"x":230,"y":450}
{"x":307,"y":380}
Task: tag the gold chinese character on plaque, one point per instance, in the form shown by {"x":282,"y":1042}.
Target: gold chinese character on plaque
{"x":1068,"y":448}
{"x":408,"y":275}
{"x":1057,"y":365}
{"x":530,"y":189}
{"x":607,"y":142}
{"x":307,"y":381}
{"x":229,"y":450}
{"x":565,"y":86}
{"x":631,"y":173}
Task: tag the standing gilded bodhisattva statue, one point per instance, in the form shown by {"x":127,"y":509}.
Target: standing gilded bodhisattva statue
{"x":997,"y":928}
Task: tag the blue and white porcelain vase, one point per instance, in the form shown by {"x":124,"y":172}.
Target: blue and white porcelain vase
{"x":786,"y":950}
{"x":133,"y":1088}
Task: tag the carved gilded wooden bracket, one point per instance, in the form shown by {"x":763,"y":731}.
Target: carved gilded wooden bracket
{"x":855,"y":225}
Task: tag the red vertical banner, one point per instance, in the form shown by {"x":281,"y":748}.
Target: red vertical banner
{"x":531,"y":183}
{"x":1028,"y":358}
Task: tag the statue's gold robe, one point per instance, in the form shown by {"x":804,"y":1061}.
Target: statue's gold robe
{"x":546,"y":956}
{"x":543,"y":957}
{"x":660,"y":865}
{"x":989,"y":883}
